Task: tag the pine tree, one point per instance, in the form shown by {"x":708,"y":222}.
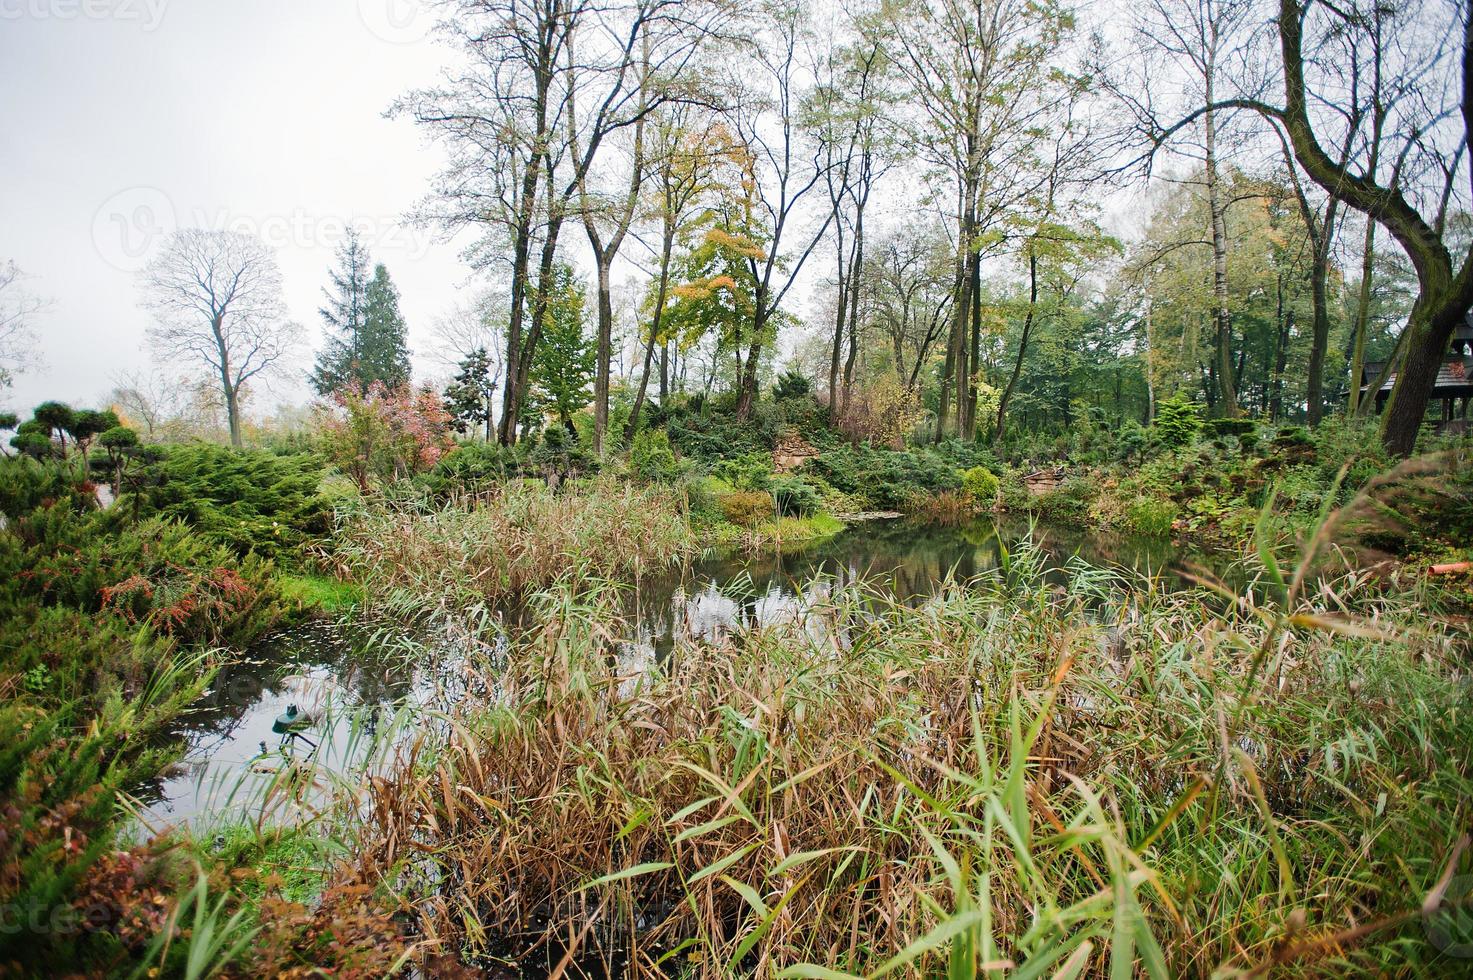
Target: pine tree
{"x":564,"y":362}
{"x":343,"y":317}
{"x":385,"y":355}
{"x":469,"y":398}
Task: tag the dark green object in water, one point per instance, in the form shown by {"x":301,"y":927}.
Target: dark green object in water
{"x":292,"y":721}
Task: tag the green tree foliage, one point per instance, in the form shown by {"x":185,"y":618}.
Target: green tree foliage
{"x":1177,"y":421}
{"x":470,"y":398}
{"x":365,"y":339}
{"x":56,"y":419}
{"x":792,"y":383}
{"x":563,"y":366}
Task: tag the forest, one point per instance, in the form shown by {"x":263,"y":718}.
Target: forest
{"x":967,"y":488}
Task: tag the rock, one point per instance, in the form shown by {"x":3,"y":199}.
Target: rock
{"x":791,"y":452}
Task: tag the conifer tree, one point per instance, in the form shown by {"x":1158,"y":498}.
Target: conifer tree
{"x":469,"y":398}
{"x":563,"y":366}
{"x":385,"y":355}
{"x":343,"y":318}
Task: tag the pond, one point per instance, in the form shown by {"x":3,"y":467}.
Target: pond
{"x":355,"y":682}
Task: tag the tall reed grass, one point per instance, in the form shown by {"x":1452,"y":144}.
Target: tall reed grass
{"x":1013,"y":780}
{"x":521,"y":537}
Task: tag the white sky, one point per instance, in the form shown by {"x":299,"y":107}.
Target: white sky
{"x":126,"y":118}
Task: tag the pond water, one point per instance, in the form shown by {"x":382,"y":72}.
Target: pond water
{"x":355,"y":683}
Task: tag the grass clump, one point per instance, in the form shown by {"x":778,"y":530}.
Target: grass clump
{"x":505,"y":543}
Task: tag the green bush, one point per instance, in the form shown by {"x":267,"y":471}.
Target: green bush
{"x":882,"y":478}
{"x":748,"y":471}
{"x":1177,"y":421}
{"x":250,"y":501}
{"x":474,"y":467}
{"x":795,"y":496}
{"x":746,"y":508}
{"x":651,"y":458}
{"x":980,"y":484}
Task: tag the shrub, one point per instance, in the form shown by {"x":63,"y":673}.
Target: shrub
{"x":749,"y":471}
{"x":791,"y":384}
{"x":473,"y":467}
{"x":746,"y":508}
{"x":883,"y":478}
{"x":795,"y":496}
{"x":980,"y":484}
{"x":651,"y":459}
{"x":248,"y":500}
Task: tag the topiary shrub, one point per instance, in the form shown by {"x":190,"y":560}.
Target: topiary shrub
{"x":980,"y":484}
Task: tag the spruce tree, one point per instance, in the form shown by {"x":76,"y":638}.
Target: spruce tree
{"x":342,"y":354}
{"x":385,"y":354}
{"x":470,"y":397}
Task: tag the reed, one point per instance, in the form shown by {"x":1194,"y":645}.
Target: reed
{"x":507,"y":543}
{"x":1015,"y":779}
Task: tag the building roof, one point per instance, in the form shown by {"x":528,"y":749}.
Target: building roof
{"x":1452,"y":379}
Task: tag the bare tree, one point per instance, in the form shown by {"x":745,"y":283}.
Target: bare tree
{"x":149,"y":398}
{"x":216,"y":296}
{"x":17,"y":337}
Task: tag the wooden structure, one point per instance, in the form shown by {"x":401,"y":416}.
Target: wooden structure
{"x":1454,"y":387}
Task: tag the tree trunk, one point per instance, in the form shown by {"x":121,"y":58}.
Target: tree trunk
{"x":836,"y":350}
{"x":1362,"y":321}
{"x":605,"y":350}
{"x":1007,"y":392}
{"x":1221,"y":316}
{"x":855,"y":265}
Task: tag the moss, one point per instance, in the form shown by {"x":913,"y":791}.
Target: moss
{"x":320,"y":593}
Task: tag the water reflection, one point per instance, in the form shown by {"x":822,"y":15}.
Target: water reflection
{"x":353,"y":682}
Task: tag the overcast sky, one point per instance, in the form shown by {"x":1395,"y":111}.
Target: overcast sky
{"x":124,"y":119}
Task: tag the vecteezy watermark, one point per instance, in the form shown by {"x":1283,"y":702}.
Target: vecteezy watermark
{"x":147,"y":13}
{"x":1449,"y":926}
{"x":131,"y":224}
{"x":397,"y":21}
{"x":59,"y":919}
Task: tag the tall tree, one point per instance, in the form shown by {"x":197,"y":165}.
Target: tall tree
{"x":216,"y":297}
{"x":385,"y":354}
{"x":984,"y":81}
{"x":340,"y":362}
{"x":1196,"y":38}
{"x":565,"y":362}
{"x":1425,"y":48}
{"x":786,"y":168}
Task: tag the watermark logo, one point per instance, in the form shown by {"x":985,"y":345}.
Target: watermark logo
{"x":148,"y":14}
{"x":1449,"y":926}
{"x":130,"y":226}
{"x":396,"y":21}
